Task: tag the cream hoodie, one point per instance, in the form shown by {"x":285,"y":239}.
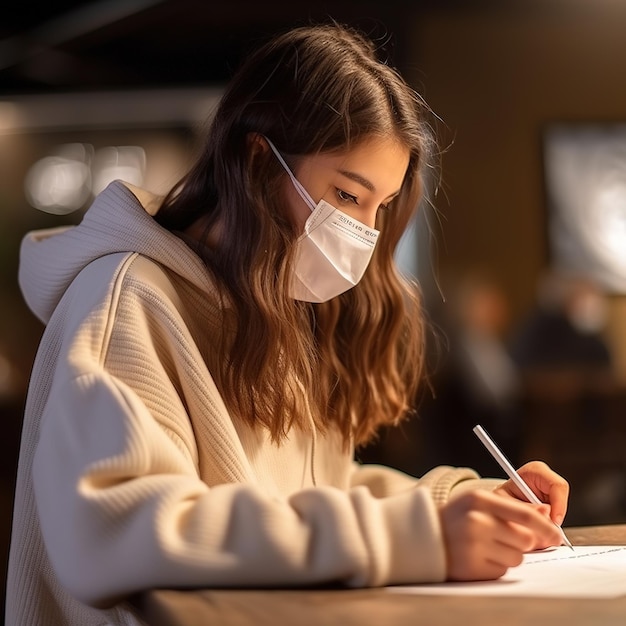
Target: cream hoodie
{"x":133,"y":475}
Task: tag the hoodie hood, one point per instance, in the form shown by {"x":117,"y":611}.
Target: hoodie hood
{"x":116,"y":222}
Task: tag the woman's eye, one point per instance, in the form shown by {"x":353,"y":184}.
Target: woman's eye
{"x":346,"y":197}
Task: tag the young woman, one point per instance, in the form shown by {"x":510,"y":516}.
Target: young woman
{"x":211,"y":360}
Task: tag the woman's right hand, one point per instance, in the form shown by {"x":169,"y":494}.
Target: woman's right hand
{"x":485,"y":534}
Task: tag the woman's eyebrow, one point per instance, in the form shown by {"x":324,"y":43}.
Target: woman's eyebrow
{"x":357,"y":178}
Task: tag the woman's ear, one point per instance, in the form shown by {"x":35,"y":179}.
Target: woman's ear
{"x":257,"y":144}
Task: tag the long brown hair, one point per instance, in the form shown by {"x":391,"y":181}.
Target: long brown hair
{"x":355,"y":361}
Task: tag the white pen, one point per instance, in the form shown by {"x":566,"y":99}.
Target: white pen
{"x":512,"y":473}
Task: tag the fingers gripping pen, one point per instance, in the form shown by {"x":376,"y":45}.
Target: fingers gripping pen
{"x":505,"y":464}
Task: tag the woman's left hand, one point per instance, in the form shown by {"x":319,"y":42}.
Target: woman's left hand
{"x":547,"y":485}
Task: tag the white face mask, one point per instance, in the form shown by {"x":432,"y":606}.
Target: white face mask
{"x":332,"y":253}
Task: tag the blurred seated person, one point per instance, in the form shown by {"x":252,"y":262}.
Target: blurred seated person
{"x":565,"y":330}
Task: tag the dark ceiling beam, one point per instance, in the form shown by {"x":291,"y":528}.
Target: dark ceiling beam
{"x":67,"y":27}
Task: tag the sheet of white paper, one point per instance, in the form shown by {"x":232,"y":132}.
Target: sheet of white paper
{"x":587,"y":572}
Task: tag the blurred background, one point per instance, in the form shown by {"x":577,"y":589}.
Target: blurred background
{"x":521,"y":257}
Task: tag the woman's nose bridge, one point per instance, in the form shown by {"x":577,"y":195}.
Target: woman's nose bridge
{"x":370,"y":215}
{"x":365,"y":213}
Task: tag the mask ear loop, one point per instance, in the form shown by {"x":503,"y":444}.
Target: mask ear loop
{"x":296,"y":183}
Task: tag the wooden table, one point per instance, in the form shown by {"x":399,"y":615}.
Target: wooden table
{"x":378,"y":607}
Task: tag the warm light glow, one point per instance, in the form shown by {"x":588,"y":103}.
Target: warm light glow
{"x":127,"y":163}
{"x":63,"y":182}
{"x":60,"y":183}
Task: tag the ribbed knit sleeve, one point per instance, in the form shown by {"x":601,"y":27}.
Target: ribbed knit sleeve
{"x":443,"y":481}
